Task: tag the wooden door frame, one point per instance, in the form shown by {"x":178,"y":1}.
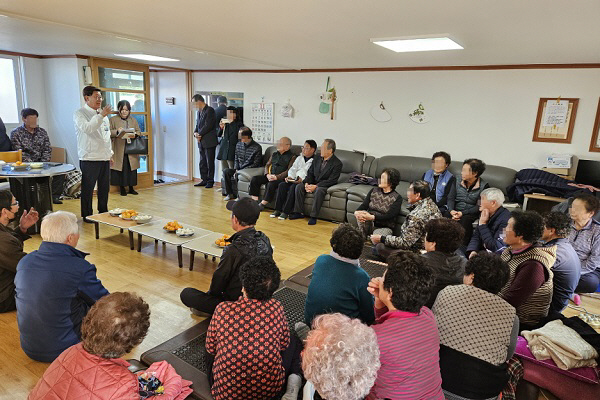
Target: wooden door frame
{"x":145,"y":179}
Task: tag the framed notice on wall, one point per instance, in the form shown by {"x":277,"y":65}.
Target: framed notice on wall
{"x":262,"y":122}
{"x":595,"y":142}
{"x":555,"y":120}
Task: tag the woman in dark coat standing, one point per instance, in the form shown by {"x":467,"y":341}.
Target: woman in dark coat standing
{"x":229,"y":133}
{"x":123,"y":172}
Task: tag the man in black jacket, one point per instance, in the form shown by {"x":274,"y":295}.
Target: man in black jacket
{"x":246,"y":244}
{"x":206,"y":135}
{"x":248,"y":154}
{"x":323,"y":173}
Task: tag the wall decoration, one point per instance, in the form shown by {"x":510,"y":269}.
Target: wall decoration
{"x":595,"y":142}
{"x":287,"y":111}
{"x":418,"y":115}
{"x":380,"y":114}
{"x":555,"y":120}
{"x":262,"y":122}
{"x":325,"y":100}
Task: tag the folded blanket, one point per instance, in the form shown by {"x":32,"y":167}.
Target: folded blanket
{"x":562,"y":344}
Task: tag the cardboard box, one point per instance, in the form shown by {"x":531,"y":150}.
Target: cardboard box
{"x":559,"y":161}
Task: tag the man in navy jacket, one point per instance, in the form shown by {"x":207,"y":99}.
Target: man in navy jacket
{"x":55,"y":288}
{"x":492,"y":222}
{"x":206,"y":135}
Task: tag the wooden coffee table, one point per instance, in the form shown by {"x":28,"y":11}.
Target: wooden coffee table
{"x":117,"y":222}
{"x":206,"y":245}
{"x":154,"y":229}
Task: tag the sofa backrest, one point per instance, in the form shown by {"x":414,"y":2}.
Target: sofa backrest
{"x":352,"y":162}
{"x":296,"y":149}
{"x":497,"y":176}
{"x":413,"y":168}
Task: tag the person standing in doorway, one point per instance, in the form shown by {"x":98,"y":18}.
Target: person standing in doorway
{"x":94,"y":149}
{"x":206,"y":135}
{"x":123,"y":172}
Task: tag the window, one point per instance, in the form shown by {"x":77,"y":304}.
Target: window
{"x":10,"y":95}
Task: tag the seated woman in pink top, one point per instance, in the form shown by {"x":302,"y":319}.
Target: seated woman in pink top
{"x":93,"y":368}
{"x":406,"y":331}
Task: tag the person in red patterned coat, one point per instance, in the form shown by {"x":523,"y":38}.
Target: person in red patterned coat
{"x":247,"y":337}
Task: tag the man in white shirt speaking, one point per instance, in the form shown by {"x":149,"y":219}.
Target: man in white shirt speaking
{"x":94,"y":150}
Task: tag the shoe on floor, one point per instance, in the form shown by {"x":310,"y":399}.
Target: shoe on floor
{"x":209,"y":185}
{"x":123,"y":192}
{"x":56,"y":200}
{"x":275,"y":214}
{"x":132,"y":191}
{"x":201,"y":183}
{"x":87,"y":221}
{"x":293,"y":387}
{"x":296,"y":215}
{"x":261,"y":206}
{"x":312,"y":221}
{"x":283,"y":216}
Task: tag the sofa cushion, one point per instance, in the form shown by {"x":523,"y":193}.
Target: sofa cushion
{"x":360,"y":190}
{"x":248,"y":173}
{"x":339,"y":190}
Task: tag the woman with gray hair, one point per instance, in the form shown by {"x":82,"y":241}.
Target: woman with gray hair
{"x":340,"y":358}
{"x":55,"y":287}
{"x":492,"y":222}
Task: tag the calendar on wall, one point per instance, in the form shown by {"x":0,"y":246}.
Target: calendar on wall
{"x":262,"y":122}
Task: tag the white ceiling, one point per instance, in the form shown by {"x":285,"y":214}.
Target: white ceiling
{"x":275,"y":34}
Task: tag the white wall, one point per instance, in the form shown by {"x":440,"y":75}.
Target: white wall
{"x":170,"y":122}
{"x":485,"y":114}
{"x":63,"y":81}
{"x":35,"y":88}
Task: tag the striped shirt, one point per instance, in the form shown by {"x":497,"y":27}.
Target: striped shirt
{"x":586,"y":243}
{"x":409,"y":345}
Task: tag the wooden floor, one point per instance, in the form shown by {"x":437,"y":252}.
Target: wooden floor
{"x":154,"y":273}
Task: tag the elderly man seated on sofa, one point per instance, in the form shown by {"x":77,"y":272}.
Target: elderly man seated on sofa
{"x":322,"y":174}
{"x":55,"y":287}
{"x":412,"y":232}
{"x":276,"y":170}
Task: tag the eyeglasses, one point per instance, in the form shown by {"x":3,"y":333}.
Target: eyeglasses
{"x":16,"y":203}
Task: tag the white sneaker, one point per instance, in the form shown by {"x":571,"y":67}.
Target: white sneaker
{"x":227,"y":198}
{"x":293,"y":387}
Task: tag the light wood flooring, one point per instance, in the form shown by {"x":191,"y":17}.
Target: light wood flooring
{"x":154,"y":273}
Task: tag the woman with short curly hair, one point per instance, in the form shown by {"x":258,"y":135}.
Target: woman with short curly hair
{"x":247,"y":337}
{"x":406,"y":331}
{"x":93,"y":368}
{"x":340,"y":358}
{"x":529,"y":287}
{"x":338,"y":283}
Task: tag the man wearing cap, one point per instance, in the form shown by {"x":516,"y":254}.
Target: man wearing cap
{"x":245,"y":244}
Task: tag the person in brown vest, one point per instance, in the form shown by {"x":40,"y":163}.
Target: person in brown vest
{"x":529,"y":287}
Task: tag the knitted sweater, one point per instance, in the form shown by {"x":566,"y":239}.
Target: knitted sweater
{"x":339,"y":285}
{"x":384,"y":206}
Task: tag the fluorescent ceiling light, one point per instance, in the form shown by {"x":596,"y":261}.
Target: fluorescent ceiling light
{"x":400,"y":45}
{"x":146,"y":57}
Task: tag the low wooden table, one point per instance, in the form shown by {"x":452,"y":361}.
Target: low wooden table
{"x":154,"y":229}
{"x":206,"y":245}
{"x":117,"y":222}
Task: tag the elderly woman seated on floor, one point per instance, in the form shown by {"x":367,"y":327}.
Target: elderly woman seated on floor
{"x":340,"y":359}
{"x":338,"y":283}
{"x":93,"y":368}
{"x":478,"y":331}
{"x":406,"y":331}
{"x":247,"y":338}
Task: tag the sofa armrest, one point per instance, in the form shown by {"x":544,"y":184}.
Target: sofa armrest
{"x":360,"y":190}
{"x":339,"y":190}
{"x":247,"y":174}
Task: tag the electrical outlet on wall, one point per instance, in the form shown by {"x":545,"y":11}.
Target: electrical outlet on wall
{"x":164,"y":129}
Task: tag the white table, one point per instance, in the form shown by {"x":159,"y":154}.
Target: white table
{"x":206,"y":245}
{"x":154,"y":229}
{"x":116,"y":222}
